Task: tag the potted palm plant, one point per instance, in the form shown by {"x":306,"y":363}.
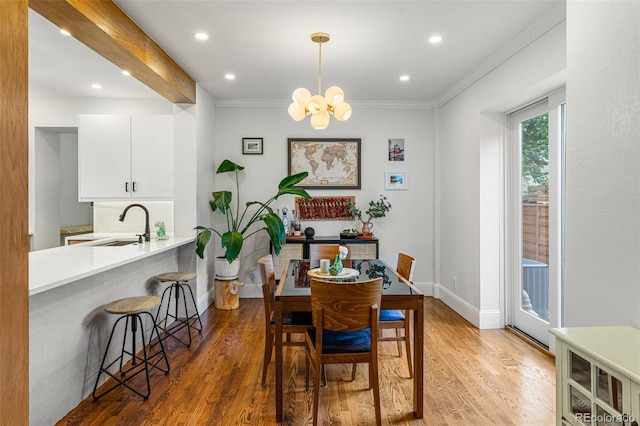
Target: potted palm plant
{"x":238,"y":223}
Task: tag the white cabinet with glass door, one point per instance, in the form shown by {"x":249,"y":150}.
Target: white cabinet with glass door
{"x":597,"y":376}
{"x":122,"y":156}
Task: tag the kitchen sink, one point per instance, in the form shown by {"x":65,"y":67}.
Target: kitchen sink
{"x":116,"y":243}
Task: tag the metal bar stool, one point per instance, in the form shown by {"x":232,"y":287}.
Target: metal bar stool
{"x":131,"y":310}
{"x":178,"y":289}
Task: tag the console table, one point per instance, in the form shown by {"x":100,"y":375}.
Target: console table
{"x":298,"y":248}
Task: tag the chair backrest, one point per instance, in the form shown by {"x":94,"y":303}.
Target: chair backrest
{"x":344,"y":306}
{"x":327,"y":251}
{"x":406,"y":265}
{"x":267,"y":272}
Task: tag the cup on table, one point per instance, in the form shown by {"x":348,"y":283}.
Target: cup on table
{"x":324,"y":266}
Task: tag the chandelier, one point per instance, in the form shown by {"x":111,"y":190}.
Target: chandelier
{"x":318,"y":106}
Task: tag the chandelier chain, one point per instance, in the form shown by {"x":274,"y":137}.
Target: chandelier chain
{"x":320,"y":68}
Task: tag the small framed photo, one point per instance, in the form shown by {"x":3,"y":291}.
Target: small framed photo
{"x":396,"y":149}
{"x":395,"y":180}
{"x":252,"y":145}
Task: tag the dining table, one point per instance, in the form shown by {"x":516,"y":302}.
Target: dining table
{"x":293,"y":294}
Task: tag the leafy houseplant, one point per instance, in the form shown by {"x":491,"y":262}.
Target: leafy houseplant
{"x":238,"y":223}
{"x":376,"y":209}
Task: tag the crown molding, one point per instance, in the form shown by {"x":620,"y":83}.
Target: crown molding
{"x":284,"y":103}
{"x":526,"y":37}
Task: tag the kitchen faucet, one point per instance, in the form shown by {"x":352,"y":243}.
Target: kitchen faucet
{"x":147,"y":234}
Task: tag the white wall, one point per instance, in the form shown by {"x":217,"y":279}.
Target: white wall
{"x":603,"y":164}
{"x":470,"y":140}
{"x":203,"y":178}
{"x":72,"y":212}
{"x":408,"y":227}
{"x":46,"y":228}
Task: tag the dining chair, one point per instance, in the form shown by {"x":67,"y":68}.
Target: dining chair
{"x":345,"y":319}
{"x":328,"y":251}
{"x":292,"y":322}
{"x":399,"y":320}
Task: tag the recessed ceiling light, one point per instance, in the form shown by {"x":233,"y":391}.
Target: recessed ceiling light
{"x":65,"y":32}
{"x":230,"y":76}
{"x":435,"y":39}
{"x":96,"y":86}
{"x":201,"y":36}
{"x":125,"y":72}
{"x":404,"y":78}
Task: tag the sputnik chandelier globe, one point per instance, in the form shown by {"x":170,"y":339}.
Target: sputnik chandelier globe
{"x":319,"y":107}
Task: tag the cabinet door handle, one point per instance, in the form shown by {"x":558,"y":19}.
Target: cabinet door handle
{"x":134,"y":186}
{"x":126,"y":187}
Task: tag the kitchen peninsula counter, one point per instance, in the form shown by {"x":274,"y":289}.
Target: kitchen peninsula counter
{"x":58,"y":266}
{"x":69,"y":287}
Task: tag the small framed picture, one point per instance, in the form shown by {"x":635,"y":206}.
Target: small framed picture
{"x":396,"y":149}
{"x":252,"y":145}
{"x":395,"y":180}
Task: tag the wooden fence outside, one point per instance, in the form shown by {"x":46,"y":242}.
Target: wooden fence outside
{"x":535,"y":232}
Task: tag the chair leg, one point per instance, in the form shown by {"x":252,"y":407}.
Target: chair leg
{"x":268,"y":349}
{"x":162,"y":323}
{"x":399,"y":343}
{"x":354,"y":369}
{"x":324,"y":376}
{"x":162,"y":353}
{"x":316,"y":390}
{"x":373,"y":376}
{"x":407,"y":341}
{"x":306,"y":372}
{"x":195,"y":307}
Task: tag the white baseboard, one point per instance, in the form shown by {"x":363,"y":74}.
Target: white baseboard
{"x":486,"y":319}
{"x":251,"y":291}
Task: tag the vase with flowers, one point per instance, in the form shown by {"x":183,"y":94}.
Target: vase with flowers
{"x":376,"y":209}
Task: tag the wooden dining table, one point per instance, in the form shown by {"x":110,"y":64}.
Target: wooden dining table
{"x":293,"y":294}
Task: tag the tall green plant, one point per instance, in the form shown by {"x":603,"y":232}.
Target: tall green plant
{"x":236,"y":225}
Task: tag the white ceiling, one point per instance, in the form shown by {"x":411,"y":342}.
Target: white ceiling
{"x":267,"y":45}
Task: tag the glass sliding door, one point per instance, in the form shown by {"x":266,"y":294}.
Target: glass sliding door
{"x":535,"y":219}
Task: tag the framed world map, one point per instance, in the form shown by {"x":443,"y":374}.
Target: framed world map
{"x":331,"y":163}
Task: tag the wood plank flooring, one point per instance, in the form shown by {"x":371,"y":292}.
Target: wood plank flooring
{"x":472,"y":377}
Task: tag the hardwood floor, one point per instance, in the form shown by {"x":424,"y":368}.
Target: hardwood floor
{"x":472,"y":377}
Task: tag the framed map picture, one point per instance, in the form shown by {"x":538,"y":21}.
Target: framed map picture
{"x":331,"y":163}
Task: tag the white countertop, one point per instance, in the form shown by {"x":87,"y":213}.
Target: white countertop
{"x":58,"y":266}
{"x":614,"y":346}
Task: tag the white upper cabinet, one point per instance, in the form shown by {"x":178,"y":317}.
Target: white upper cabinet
{"x":152,"y":156}
{"x":125,"y":157}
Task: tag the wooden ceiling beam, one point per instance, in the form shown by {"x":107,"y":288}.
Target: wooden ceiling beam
{"x":107,"y":30}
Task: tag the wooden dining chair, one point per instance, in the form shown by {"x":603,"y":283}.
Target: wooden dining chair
{"x":328,"y":251}
{"x":397,"y":319}
{"x":345,"y":318}
{"x":292,"y":322}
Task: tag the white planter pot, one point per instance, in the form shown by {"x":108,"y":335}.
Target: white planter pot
{"x":224,"y":269}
